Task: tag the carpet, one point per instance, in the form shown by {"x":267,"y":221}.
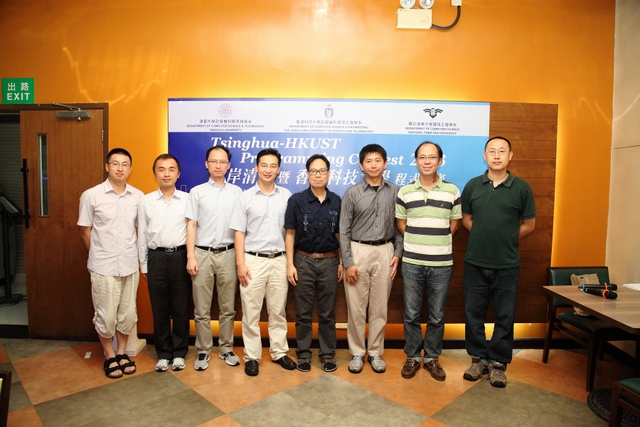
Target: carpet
{"x":599,"y":402}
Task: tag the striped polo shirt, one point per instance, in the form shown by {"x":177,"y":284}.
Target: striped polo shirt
{"x":427,"y":237}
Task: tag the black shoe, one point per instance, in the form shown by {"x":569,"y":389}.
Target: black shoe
{"x":303,"y":365}
{"x":286,"y":363}
{"x":251,"y":368}
{"x":329,"y":365}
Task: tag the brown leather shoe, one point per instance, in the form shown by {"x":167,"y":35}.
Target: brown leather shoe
{"x":410,"y":368}
{"x":436,"y":371}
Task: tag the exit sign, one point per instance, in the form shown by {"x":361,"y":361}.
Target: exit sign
{"x":17,"y":91}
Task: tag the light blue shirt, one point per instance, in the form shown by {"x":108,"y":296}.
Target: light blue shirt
{"x":261,"y":217}
{"x":211,"y":206}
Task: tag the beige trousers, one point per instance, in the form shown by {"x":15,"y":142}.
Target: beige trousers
{"x":369,"y":295}
{"x":269,"y":283}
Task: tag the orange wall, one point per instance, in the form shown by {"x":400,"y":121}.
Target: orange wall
{"x":136,"y":54}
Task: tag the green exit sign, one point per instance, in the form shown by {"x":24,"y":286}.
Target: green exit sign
{"x":17,"y":91}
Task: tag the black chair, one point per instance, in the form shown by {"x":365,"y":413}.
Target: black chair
{"x":588,"y":331}
{"x":625,"y":396}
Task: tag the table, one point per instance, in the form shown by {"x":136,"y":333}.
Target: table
{"x":623,"y":312}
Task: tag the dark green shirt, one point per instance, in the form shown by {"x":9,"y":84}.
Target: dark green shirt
{"x":497,"y":212}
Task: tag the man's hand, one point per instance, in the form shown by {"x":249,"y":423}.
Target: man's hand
{"x":340,"y":273}
{"x":394,"y":266}
{"x":244,"y":275}
{"x":292,"y":275}
{"x":192,"y":266}
{"x":353,"y":275}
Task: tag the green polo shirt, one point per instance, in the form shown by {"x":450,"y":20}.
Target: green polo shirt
{"x":497,"y":212}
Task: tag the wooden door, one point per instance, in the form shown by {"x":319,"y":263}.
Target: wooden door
{"x":64,"y":157}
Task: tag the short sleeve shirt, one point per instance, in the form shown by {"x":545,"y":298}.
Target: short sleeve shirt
{"x":427,"y":237}
{"x":316,"y":223}
{"x":260,"y":217}
{"x":211,"y":206}
{"x":161,"y":223}
{"x":113,"y":220}
{"x":497,"y":212}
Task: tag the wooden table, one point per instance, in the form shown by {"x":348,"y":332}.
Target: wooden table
{"x":623,"y":312}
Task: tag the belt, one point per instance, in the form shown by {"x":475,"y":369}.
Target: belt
{"x":176,"y":249}
{"x":318,"y":255}
{"x":373,"y":242}
{"x":215,"y":250}
{"x":266,"y":255}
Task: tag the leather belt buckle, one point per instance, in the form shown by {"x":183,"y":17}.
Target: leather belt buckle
{"x":169,"y":250}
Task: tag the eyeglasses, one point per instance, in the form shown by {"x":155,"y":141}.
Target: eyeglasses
{"x":218,"y":162}
{"x":500,"y":153}
{"x":118,"y":164}
{"x":318,"y":171}
{"x":428,"y":158}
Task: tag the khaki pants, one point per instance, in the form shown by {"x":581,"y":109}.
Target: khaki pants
{"x":269,"y":283}
{"x":220,"y":270}
{"x":370,"y":292}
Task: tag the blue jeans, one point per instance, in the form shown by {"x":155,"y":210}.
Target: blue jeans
{"x":500,"y":287}
{"x":417,"y":279}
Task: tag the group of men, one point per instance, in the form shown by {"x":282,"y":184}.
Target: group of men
{"x":264,"y":238}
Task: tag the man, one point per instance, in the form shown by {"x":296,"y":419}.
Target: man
{"x":498,"y":210}
{"x":427,"y":213}
{"x":371,"y":247}
{"x":313,"y":262}
{"x":258,"y":221}
{"x":210,"y":258}
{"x":162,"y":234}
{"x":108,"y":219}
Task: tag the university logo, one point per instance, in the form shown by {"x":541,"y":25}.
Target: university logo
{"x":433,"y":112}
{"x":225,"y":110}
{"x":328,"y":112}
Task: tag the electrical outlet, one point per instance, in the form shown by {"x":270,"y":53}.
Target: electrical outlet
{"x":456,"y":2}
{"x":341,"y":326}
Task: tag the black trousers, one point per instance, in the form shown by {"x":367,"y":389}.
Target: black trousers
{"x":170,"y":293}
{"x":316,"y":276}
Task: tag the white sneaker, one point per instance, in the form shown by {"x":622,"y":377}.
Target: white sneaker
{"x":355,"y":365}
{"x":178,"y":364}
{"x":202,"y":362}
{"x":230,"y":358}
{"x":162,"y":365}
{"x":377,"y":364}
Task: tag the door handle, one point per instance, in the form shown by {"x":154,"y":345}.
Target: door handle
{"x":25,"y":189}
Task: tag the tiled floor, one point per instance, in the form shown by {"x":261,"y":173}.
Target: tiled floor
{"x":61,"y":383}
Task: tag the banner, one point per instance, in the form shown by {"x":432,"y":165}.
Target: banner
{"x":337,"y":128}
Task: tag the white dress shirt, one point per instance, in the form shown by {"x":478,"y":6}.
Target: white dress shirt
{"x":161,"y":223}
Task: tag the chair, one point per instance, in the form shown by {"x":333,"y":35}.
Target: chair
{"x":588,"y":331}
{"x":625,"y":395}
{"x":5,"y":392}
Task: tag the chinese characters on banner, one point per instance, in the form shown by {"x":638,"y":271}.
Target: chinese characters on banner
{"x":337,"y":128}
